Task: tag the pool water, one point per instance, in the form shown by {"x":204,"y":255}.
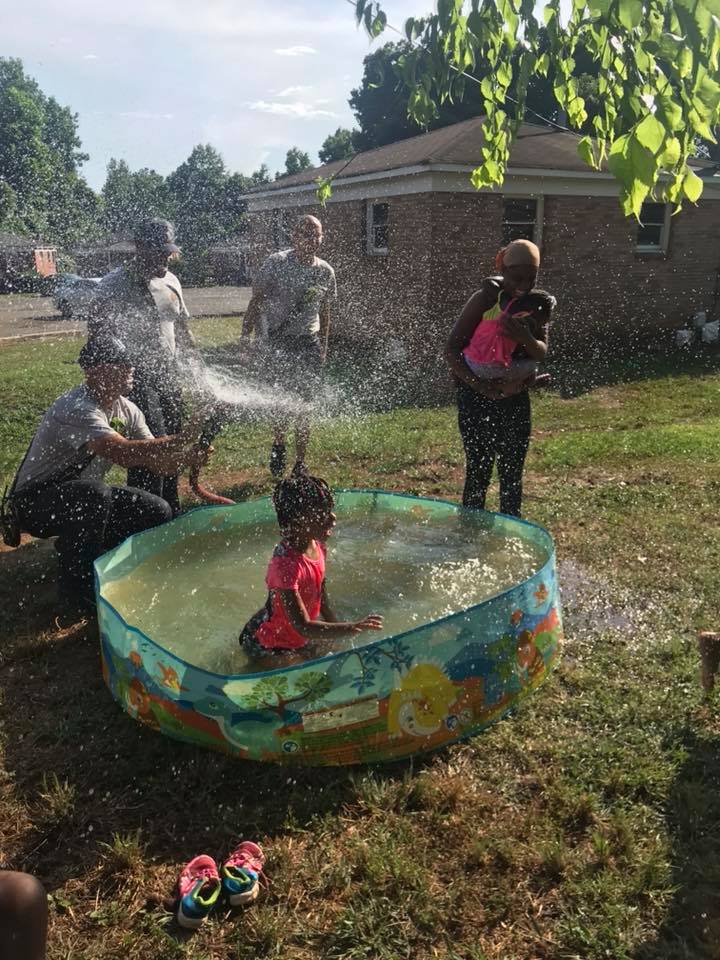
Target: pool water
{"x":194,"y":597}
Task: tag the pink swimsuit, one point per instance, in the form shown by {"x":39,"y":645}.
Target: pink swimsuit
{"x":489,"y":353}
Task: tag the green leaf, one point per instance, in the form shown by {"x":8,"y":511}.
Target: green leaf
{"x":684,"y":62}
{"x":630,"y":13}
{"x":670,"y":155}
{"x":323,"y":191}
{"x":650,"y":133}
{"x":692,"y":186}
{"x":669,"y":112}
{"x":586,"y":152}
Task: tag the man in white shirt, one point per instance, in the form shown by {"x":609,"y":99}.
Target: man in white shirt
{"x":290,"y":313}
{"x":59,"y":490}
{"x":142,"y":304}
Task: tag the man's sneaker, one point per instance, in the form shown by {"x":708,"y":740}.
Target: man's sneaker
{"x":241,"y":873}
{"x":199,"y":889}
{"x":277,"y":459}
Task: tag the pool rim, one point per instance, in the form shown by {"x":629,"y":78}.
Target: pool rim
{"x":231,"y":677}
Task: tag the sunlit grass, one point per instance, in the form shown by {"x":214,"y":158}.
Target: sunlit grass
{"x":584,"y":826}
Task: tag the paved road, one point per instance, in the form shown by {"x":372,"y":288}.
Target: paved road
{"x":23,"y":316}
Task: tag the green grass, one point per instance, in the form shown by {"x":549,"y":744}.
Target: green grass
{"x":583,"y":827}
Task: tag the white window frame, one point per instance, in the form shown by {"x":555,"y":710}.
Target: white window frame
{"x":539,"y":213}
{"x":370,"y":225}
{"x":663,"y":246}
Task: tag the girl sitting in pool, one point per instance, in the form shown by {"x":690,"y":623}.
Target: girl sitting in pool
{"x":297,"y":618}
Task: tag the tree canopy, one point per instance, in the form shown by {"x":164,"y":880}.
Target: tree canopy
{"x":296,"y":160}
{"x":41,"y":190}
{"x":337,"y":146}
{"x":656,"y":63}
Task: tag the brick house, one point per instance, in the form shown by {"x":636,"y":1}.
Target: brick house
{"x":22,"y":260}
{"x":410,"y":238}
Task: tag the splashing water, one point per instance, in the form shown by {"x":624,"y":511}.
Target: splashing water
{"x":194,"y":597}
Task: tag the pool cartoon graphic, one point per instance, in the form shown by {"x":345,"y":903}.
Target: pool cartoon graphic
{"x":401,"y":695}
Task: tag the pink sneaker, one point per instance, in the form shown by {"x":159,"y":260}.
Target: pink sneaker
{"x":199,"y":889}
{"x":241,"y":873}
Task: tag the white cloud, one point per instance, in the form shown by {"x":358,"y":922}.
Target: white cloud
{"x":91,"y":56}
{"x":145,"y":115}
{"x":293,"y":91}
{"x":296,"y":51}
{"x":294,"y":108}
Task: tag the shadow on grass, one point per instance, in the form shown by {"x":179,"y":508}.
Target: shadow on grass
{"x":80,"y":774}
{"x":628,"y":363}
{"x":692,"y":928}
{"x":373,"y":381}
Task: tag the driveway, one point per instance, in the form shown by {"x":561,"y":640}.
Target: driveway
{"x":27,"y":316}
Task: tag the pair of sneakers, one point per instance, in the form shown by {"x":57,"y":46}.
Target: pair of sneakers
{"x":201,"y":883}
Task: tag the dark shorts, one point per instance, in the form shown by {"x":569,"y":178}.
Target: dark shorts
{"x":295,"y":364}
{"x":255,"y":650}
{"x":248,"y":635}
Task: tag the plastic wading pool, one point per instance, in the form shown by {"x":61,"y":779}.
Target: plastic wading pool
{"x":384,"y":700}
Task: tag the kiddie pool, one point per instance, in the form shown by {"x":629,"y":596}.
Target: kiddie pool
{"x":406,"y":694}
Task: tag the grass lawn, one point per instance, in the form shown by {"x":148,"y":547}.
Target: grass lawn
{"x":584,"y":826}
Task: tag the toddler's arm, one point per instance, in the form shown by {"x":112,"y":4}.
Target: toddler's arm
{"x":321,"y":629}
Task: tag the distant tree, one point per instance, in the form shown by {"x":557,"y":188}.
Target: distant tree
{"x":380,"y":103}
{"x":41,"y":190}
{"x":197,"y":194}
{"x":382,"y":100}
{"x":296,"y":160}
{"x":337,"y":146}
{"x":131,"y":196}
{"x":260,"y":176}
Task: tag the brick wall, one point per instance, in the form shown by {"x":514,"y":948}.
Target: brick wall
{"x":590,"y":263}
{"x":442,"y":244}
{"x":378,"y":295}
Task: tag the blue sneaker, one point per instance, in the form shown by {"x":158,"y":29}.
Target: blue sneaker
{"x":199,"y":889}
{"x":241,"y":873}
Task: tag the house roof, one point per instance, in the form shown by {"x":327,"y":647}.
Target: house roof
{"x":537,"y":147}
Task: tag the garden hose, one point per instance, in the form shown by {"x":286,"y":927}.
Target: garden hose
{"x":213,"y":425}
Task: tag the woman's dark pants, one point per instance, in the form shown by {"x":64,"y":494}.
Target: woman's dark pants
{"x":494,"y":431}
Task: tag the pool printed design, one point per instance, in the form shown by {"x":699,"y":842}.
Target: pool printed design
{"x":393,"y":698}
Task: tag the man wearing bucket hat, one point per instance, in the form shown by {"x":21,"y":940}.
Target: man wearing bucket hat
{"x":142,"y":304}
{"x":59,"y":489}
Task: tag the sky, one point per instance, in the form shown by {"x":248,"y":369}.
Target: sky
{"x":150,"y":79}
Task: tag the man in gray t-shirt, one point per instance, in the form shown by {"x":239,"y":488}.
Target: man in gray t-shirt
{"x":293,"y":292}
{"x":59,"y":490}
{"x":142,"y":305}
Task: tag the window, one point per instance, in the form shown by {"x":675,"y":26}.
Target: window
{"x":521,"y":219}
{"x":654,"y":228}
{"x":281,"y":229}
{"x":378,"y":224}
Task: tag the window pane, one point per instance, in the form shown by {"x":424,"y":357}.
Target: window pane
{"x":518,"y":231}
{"x":381,"y":236}
{"x":649,"y":235}
{"x":652,"y":214}
{"x":519,"y":211}
{"x":380,"y":213}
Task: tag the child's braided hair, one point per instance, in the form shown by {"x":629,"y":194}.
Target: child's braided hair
{"x":297,"y":494}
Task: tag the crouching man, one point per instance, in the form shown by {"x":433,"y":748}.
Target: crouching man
{"x":59,"y":490}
